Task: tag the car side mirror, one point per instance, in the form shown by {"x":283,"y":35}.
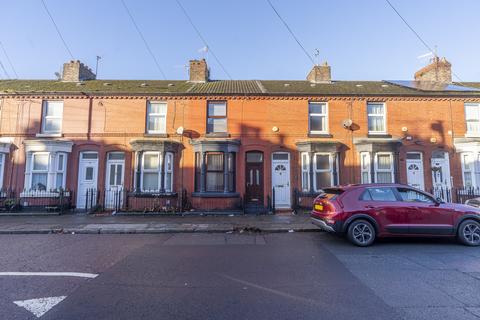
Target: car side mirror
{"x":438,"y":201}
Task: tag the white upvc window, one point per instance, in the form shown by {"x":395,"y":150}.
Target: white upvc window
{"x":377,"y":118}
{"x":305,"y":159}
{"x":151,"y":173}
{"x":472,"y":118}
{"x":322,"y":170}
{"x":468,"y":168}
{"x":217,"y":117}
{"x":365,"y":167}
{"x":47,"y":171}
{"x":318,"y":117}
{"x":52,"y":115}
{"x":384,"y":172}
{"x":156,"y":117}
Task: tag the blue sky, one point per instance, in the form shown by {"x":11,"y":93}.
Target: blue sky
{"x":361,"y":40}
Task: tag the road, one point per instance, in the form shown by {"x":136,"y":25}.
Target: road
{"x":235,"y":276}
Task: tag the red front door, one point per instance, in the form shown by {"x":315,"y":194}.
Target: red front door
{"x":254,"y":178}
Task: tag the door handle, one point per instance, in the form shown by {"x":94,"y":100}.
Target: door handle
{"x":369,"y":207}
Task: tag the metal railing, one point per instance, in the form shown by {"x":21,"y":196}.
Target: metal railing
{"x":35,"y":201}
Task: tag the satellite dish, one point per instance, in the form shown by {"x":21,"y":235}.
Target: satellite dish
{"x":180,"y":130}
{"x":347,"y":123}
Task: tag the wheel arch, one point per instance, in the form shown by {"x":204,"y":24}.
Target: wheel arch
{"x":360,"y":216}
{"x":470,"y":216}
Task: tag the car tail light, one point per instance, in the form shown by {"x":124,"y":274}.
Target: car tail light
{"x":324,"y":206}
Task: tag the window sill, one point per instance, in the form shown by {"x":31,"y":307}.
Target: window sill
{"x":215,"y":194}
{"x":472,"y":135}
{"x":49,"y":135}
{"x":217,"y":135}
{"x":145,"y":194}
{"x":378,"y":135}
{"x":319,"y":135}
{"x":155,"y":135}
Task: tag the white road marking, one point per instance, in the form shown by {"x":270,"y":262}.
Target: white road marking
{"x":39,"y":306}
{"x":51,"y":274}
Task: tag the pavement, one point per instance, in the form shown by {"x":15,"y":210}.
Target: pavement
{"x":235,"y":276}
{"x":103,"y":224}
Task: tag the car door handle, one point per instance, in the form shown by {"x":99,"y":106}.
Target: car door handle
{"x":369,"y":207}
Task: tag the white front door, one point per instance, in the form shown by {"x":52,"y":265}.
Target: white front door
{"x":281,"y":179}
{"x":414,"y":165}
{"x":440,"y":169}
{"x":87,"y":179}
{"x":114,"y":179}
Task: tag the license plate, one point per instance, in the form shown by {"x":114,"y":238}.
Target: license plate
{"x":318,"y":207}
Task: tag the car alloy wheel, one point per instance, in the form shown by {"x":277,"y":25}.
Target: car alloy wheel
{"x":471,"y":233}
{"x":361,"y":233}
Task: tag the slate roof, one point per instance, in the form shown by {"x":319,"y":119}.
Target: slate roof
{"x":222,"y":87}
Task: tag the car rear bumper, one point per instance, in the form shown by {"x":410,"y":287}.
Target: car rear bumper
{"x":322,"y":225}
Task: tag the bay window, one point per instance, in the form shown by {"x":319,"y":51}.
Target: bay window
{"x":365,"y":166}
{"x":52,"y":117}
{"x":217,"y":174}
{"x":376,"y":114}
{"x":384,"y":171}
{"x":156,"y":172}
{"x":305,"y":171}
{"x":319,"y":166}
{"x":46,"y":171}
{"x":2,"y":168}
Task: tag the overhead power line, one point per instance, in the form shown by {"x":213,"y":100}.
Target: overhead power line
{"x":58,"y":30}
{"x":199,"y":34}
{"x":4,"y":70}
{"x":429,"y":48}
{"x":143,"y":39}
{"x":309,"y":56}
{"x":8,"y":59}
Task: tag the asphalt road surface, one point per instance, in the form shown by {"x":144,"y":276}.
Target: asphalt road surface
{"x":235,"y":276}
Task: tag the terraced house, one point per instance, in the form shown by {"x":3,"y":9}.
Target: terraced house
{"x":246,"y":145}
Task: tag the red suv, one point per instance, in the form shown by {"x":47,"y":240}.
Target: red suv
{"x":366,"y":211}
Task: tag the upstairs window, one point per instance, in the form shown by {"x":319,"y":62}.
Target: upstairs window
{"x":472,"y":118}
{"x":217,"y":117}
{"x":318,"y":117}
{"x":157,"y":117}
{"x":376,"y":114}
{"x":52,"y":117}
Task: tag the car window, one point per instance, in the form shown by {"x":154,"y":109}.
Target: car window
{"x":366,"y":196}
{"x":330,"y":193}
{"x":409,"y":195}
{"x":381,"y":194}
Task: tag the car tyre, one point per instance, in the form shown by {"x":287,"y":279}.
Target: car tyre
{"x":361,"y":233}
{"x":469,"y":233}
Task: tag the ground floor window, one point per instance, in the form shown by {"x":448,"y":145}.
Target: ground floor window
{"x":215,"y":172}
{"x":2,"y":168}
{"x":384,"y":172}
{"x":156,"y":172}
{"x":321,"y":167}
{"x":471,"y":169}
{"x":46,"y":171}
{"x":365,"y":166}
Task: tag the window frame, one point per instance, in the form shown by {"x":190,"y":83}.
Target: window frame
{"x":470,"y":167}
{"x":384,"y":115}
{"x":368,"y":165}
{"x":2,"y":168}
{"x":320,"y":115}
{"x":217,"y":117}
{"x":432,"y":200}
{"x":221,"y":170}
{"x":161,"y":165}
{"x":367,"y":190}
{"x":169,"y":187}
{"x":45,"y":117}
{"x":469,"y":133}
{"x":305,"y":171}
{"x":157,"y":115}
{"x":315,"y":170}
{"x":52,"y":171}
{"x":391,"y":170}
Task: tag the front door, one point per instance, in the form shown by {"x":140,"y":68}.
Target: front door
{"x":415,"y":170}
{"x":281,"y":179}
{"x":440,"y":169}
{"x":114,"y":179}
{"x":254,"y":178}
{"x":87,"y":180}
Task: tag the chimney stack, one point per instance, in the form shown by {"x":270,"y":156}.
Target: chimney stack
{"x":440,"y":70}
{"x":199,"y":71}
{"x":75,"y":71}
{"x":320,"y":74}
